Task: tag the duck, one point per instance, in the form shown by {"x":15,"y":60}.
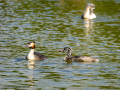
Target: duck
{"x":69,"y":57}
{"x":88,"y":13}
{"x":32,"y":55}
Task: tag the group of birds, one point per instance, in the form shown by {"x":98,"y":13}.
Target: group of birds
{"x":32,"y":55}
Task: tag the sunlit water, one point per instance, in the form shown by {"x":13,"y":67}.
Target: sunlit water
{"x":55,"y":24}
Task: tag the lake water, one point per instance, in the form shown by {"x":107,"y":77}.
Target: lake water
{"x":53,"y":25}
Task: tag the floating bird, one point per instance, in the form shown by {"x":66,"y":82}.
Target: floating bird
{"x":32,"y":55}
{"x":88,"y":13}
{"x":76,"y":58}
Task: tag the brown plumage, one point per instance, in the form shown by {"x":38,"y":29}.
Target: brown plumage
{"x":77,"y":58}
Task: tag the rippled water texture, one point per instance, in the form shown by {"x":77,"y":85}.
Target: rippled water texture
{"x":55,"y":24}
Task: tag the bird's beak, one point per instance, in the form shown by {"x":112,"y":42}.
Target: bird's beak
{"x":62,"y":50}
{"x":26,"y":46}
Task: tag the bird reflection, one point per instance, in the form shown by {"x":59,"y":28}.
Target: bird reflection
{"x":31,"y":64}
{"x":89,"y":25}
{"x":70,"y":63}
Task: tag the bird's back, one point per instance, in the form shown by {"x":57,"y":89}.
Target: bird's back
{"x":39,"y":56}
{"x":83,"y":59}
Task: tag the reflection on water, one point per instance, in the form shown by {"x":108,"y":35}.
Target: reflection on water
{"x":31,"y":64}
{"x":89,"y":25}
{"x":54,"y":25}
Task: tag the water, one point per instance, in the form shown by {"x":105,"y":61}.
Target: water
{"x":55,"y":24}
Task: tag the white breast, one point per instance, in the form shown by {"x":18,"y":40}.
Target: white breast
{"x":92,"y":16}
{"x":30,"y":55}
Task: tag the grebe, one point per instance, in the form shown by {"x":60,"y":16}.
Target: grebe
{"x":32,"y":55}
{"x":77,"y":58}
{"x":88,"y":13}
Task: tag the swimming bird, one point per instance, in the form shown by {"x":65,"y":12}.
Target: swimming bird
{"x":32,"y":55}
{"x":88,"y":13}
{"x":76,"y":58}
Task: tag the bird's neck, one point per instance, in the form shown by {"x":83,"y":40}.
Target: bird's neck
{"x":69,"y":54}
{"x":31,"y":52}
{"x":87,"y":12}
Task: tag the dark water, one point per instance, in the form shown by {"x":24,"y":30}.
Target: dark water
{"x":55,"y":24}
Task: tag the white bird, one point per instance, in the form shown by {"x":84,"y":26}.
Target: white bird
{"x":88,"y":13}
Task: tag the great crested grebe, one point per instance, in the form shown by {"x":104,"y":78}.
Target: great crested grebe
{"x":77,"y":58}
{"x":32,"y":55}
{"x":88,"y":13}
